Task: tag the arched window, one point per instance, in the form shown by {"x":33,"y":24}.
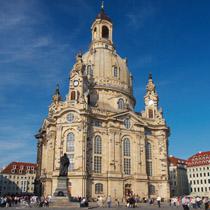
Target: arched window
{"x":70,"y":150}
{"x":148,"y":151}
{"x":94,"y":32}
{"x":73,"y":95}
{"x":151,"y":189}
{"x":127,"y":158}
{"x":120,"y":103}
{"x":97,"y":145}
{"x":98,"y":188}
{"x":149,"y":159}
{"x":70,"y":143}
{"x":115,"y":71}
{"x":150,"y":113}
{"x":105,"y":32}
{"x":97,"y":167}
{"x":126,"y":147}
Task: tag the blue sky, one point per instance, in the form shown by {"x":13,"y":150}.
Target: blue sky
{"x":39,"y":40}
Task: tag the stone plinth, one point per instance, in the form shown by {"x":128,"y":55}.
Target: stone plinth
{"x":61,"y":190}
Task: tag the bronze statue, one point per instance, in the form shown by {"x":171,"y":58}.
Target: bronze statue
{"x":64,"y":164}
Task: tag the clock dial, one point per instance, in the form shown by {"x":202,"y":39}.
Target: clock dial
{"x":151,"y":102}
{"x":76,"y":83}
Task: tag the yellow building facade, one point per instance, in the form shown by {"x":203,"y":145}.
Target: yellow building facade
{"x":113,"y":150}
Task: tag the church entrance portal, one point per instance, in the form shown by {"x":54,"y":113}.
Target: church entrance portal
{"x":128,"y":190}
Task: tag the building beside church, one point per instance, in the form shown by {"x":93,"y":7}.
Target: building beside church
{"x":113,"y":150}
{"x":178,"y":176}
{"x":198,"y":171}
{"x":17,"y":178}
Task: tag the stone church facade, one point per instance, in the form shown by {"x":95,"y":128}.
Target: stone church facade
{"x":113,"y":150}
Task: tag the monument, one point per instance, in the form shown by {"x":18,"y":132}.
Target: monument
{"x":62,"y":184}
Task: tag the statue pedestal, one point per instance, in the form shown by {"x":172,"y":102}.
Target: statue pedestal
{"x":62,"y":186}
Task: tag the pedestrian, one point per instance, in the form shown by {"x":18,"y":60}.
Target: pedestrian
{"x":117,"y":203}
{"x":206,"y":203}
{"x":158,"y":201}
{"x":185,"y":203}
{"x":109,"y":201}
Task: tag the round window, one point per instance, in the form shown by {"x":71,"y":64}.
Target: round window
{"x":70,"y":117}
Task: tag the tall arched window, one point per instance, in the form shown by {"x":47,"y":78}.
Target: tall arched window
{"x":126,"y":147}
{"x":105,"y":32}
{"x":97,"y":167}
{"x":126,"y":155}
{"x":120,"y":103}
{"x":149,"y":159}
{"x":70,"y":143}
{"x":70,"y":150}
{"x":97,"y":145}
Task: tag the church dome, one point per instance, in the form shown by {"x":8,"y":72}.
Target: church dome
{"x":108,"y":70}
{"x":107,"y":73}
{"x":102,"y":63}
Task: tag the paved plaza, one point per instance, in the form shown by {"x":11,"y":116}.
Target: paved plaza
{"x":140,"y":206}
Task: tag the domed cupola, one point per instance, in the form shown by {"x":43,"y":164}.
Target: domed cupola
{"x":102,"y":31}
{"x":105,"y":67}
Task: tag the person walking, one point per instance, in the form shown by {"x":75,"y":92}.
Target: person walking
{"x":158,"y":201}
{"x":185,"y":203}
{"x":109,"y":201}
{"x":206,"y":203}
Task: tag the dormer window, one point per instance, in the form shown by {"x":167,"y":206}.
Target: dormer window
{"x":120,"y":103}
{"x":105,"y":32}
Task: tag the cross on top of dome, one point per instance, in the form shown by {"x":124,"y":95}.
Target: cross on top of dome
{"x":102,"y":15}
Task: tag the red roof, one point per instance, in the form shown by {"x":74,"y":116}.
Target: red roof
{"x":199,"y":159}
{"x":176,"y":161}
{"x":19,"y":168}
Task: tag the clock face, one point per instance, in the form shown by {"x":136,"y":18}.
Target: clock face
{"x":76,"y":83}
{"x":151,"y":102}
{"x":70,"y":117}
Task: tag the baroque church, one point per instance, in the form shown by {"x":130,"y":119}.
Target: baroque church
{"x":112,"y":149}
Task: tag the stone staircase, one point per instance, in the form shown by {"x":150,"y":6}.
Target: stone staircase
{"x":63,"y":202}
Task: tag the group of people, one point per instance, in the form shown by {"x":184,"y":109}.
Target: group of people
{"x":193,"y":202}
{"x":131,"y":201}
{"x":24,"y":200}
{"x":102,"y":200}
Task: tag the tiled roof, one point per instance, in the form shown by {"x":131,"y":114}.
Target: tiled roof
{"x":176,"y":161}
{"x":19,"y":168}
{"x":199,"y":159}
